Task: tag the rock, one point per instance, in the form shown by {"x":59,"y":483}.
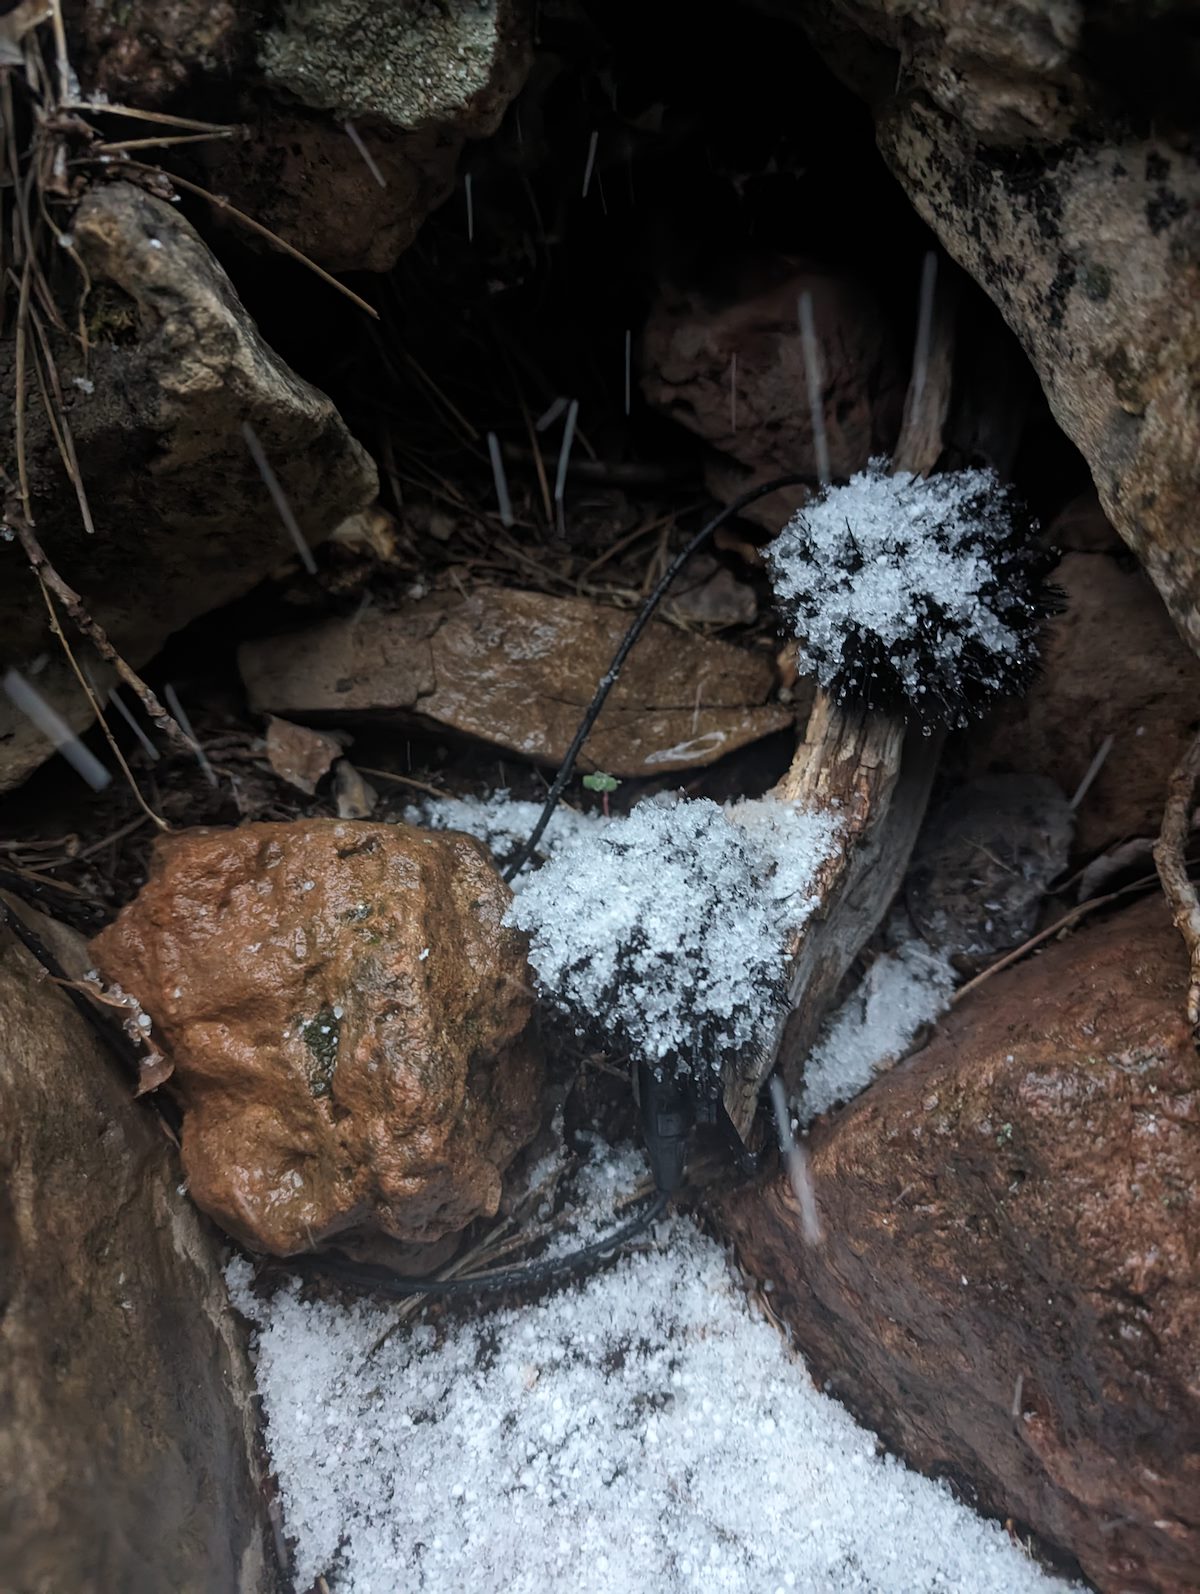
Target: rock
{"x":183,"y":520}
{"x":708,"y":593}
{"x":304,"y":177}
{"x":1051,"y":149}
{"x":1113,"y":665}
{"x":127,"y":1416}
{"x":518,"y":669}
{"x":689,"y":345}
{"x":299,"y":755}
{"x":983,"y":865}
{"x":1008,"y":1290}
{"x":144,"y":52}
{"x":412,"y":66}
{"x":348,"y":1023}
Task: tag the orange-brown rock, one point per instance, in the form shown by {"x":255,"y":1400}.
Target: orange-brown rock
{"x":1112,"y":664}
{"x":348,"y":1022}
{"x":518,"y":669}
{"x":1009,"y":1285}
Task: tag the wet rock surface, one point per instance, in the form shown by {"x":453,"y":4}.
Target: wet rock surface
{"x":126,"y":1403}
{"x":1009,"y":1286}
{"x":518,"y":669}
{"x":348,"y":1023}
{"x":183,"y":521}
{"x":1113,"y":665}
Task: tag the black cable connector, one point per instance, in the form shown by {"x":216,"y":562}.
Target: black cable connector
{"x":382,"y":1281}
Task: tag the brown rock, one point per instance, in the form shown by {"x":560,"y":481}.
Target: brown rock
{"x":518,"y":669}
{"x":1113,"y":664}
{"x":347,"y":1021}
{"x":1009,"y":1287}
{"x":303,"y":176}
{"x":1052,"y":151}
{"x":690,"y":342}
{"x":145,"y":51}
{"x":183,"y":520}
{"x":127,"y":1425}
{"x":300,"y":755}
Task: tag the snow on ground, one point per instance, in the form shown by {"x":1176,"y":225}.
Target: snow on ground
{"x":503,"y":824}
{"x":901,"y":991}
{"x":640,"y":1431}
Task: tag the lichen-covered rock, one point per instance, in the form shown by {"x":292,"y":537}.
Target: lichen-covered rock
{"x":413,"y":66}
{"x":1051,"y":148}
{"x":127,"y":1426}
{"x":1112,"y":665}
{"x":348,"y":1023}
{"x":1009,"y":1286}
{"x":183,"y":519}
{"x":518,"y":669}
{"x":733,"y":371}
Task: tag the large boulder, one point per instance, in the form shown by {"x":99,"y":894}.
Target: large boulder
{"x":183,"y":520}
{"x":348,"y":1022}
{"x":1051,"y":149}
{"x":1008,"y":1289}
{"x":127,"y":1426}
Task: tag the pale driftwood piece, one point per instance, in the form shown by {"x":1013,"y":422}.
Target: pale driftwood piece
{"x":1170,"y":858}
{"x":874,"y":775}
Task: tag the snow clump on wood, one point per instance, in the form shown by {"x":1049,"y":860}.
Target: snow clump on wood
{"x":665,"y":931}
{"x":915,"y":596}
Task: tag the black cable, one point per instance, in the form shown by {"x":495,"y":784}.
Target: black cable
{"x":608,"y":680}
{"x":384,"y":1282}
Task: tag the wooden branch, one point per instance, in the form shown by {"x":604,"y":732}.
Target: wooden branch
{"x":96,"y":635}
{"x":874,"y":775}
{"x":1170,"y":861}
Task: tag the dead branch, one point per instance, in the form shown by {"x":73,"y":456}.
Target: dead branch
{"x":1170,"y":861}
{"x":870,"y":771}
{"x":96,"y":635}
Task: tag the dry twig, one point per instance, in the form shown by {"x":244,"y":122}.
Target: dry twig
{"x":1169,"y":859}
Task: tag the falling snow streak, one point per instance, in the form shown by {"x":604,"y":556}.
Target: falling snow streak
{"x":924,"y":337}
{"x":369,"y":160}
{"x":278,"y":497}
{"x":177,"y":709}
{"x":815,"y":379}
{"x":564,"y":459}
{"x":55,"y":729}
{"x":502,"y":498}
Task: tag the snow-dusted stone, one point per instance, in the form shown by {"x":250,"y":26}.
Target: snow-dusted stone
{"x":1008,"y":1289}
{"x":347,"y":1018}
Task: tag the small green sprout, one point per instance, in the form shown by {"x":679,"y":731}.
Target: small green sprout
{"x":601,"y":782}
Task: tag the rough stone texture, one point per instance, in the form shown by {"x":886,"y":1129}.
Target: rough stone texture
{"x":983,"y":864}
{"x":143,"y":52}
{"x":183,"y":520}
{"x":518,"y":669}
{"x":1113,"y":664}
{"x":1010,"y":1221}
{"x":126,"y":1403}
{"x":348,"y":1023}
{"x":689,"y":344}
{"x":408,"y":63}
{"x":1019,"y":133}
{"x":301,"y":174}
